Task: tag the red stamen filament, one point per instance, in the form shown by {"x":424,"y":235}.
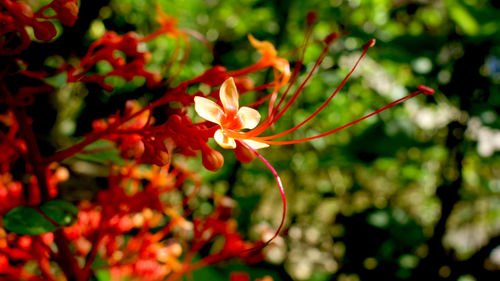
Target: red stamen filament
{"x":342,"y":127}
{"x":323,"y":105}
{"x":283,"y":198}
{"x":271,"y":119}
{"x":295,"y":73}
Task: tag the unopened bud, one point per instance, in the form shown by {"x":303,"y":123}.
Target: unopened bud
{"x":425,"y":90}
{"x":212,"y":159}
{"x":155,"y":153}
{"x":369,"y":44}
{"x":68,"y":13}
{"x":44,"y":30}
{"x":311,"y":17}
{"x":243,"y":154}
{"x":331,"y":37}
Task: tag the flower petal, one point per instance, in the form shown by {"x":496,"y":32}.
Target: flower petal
{"x":223,"y":140}
{"x":256,"y":144}
{"x":208,"y":109}
{"x":229,"y":95}
{"x":249,"y":117}
{"x":266,"y":48}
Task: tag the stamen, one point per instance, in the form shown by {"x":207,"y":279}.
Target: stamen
{"x":328,"y":40}
{"x":271,"y":119}
{"x":426,"y":90}
{"x":283,"y":198}
{"x":370,"y":44}
{"x":311,"y":18}
{"x":350,"y":123}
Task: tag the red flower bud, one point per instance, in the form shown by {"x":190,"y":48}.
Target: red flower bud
{"x":243,"y":154}
{"x":426,"y":90}
{"x":212,"y":159}
{"x":311,"y":17}
{"x":44,"y":30}
{"x":67,"y":11}
{"x":155,"y":153}
{"x":21,"y":11}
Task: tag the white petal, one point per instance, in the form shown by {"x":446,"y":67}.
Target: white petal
{"x":229,"y":95}
{"x":208,"y":109}
{"x":224,"y":141}
{"x":249,"y":117}
{"x":255,"y":144}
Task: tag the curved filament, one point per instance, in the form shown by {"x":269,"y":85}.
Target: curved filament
{"x":283,"y":198}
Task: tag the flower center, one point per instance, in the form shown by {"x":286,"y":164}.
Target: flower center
{"x":231,"y":121}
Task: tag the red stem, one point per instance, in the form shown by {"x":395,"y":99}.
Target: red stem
{"x":34,"y":155}
{"x":65,"y":258}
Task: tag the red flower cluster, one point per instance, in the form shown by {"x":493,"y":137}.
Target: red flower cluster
{"x":143,"y":224}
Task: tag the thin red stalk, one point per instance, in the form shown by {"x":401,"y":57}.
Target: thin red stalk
{"x":283,"y":198}
{"x":295,"y":73}
{"x":344,"y":126}
{"x":187,"y":268}
{"x":322,"y":106}
{"x":34,"y":156}
{"x":260,"y":101}
{"x":92,"y":137}
{"x":74,"y":149}
{"x":304,"y":83}
{"x":296,"y":68}
{"x":195,"y":34}
{"x":66,"y":259}
{"x":89,"y":260}
{"x":274,"y":96}
{"x":173,"y":57}
{"x":271,"y":119}
{"x":184,"y":59}
{"x":249,"y":69}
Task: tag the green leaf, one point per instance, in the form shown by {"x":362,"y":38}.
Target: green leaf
{"x":101,"y":151}
{"x":27,"y":221}
{"x":464,"y":19}
{"x":61,"y":212}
